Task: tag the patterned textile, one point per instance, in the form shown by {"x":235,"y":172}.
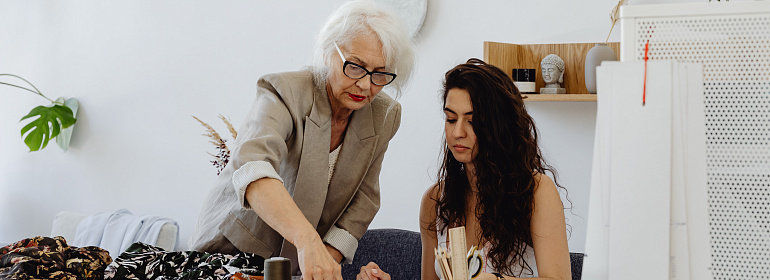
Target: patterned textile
{"x":50,"y":258}
{"x":142,"y":261}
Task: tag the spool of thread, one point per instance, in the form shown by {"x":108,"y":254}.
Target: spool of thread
{"x":277,"y":268}
{"x":524,"y":79}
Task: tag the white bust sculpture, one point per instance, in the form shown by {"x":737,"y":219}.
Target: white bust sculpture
{"x":552,"y":67}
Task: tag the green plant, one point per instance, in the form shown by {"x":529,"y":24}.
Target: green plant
{"x":47,"y":122}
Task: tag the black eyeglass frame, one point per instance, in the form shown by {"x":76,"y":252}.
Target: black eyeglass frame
{"x":366,"y":72}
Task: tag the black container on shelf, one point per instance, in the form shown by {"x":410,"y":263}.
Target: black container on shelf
{"x":524,"y":79}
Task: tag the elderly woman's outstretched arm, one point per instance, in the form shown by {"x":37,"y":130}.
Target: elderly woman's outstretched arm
{"x":270,"y":200}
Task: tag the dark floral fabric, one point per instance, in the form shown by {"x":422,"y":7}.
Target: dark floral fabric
{"x":142,"y":261}
{"x":50,"y":258}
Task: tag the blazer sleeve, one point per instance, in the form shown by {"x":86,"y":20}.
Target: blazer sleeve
{"x":355,"y":220}
{"x":261,"y":142}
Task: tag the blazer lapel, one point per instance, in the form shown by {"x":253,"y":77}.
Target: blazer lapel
{"x":310,"y":187}
{"x":352,"y":165}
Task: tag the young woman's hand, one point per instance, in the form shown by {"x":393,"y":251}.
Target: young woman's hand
{"x":372,"y":271}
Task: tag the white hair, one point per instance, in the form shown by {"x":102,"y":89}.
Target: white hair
{"x":359,"y":18}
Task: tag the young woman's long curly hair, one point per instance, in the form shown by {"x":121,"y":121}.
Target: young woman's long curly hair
{"x":506,"y":163}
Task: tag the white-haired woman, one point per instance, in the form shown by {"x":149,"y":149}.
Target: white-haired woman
{"x":302,"y":181}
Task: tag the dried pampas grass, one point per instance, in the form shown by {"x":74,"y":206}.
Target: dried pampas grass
{"x":614,"y":16}
{"x":223,"y":155}
{"x":229,"y":126}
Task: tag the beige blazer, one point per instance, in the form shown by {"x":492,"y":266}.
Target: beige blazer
{"x":288,"y":132}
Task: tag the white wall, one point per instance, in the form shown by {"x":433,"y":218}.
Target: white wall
{"x":141,"y":68}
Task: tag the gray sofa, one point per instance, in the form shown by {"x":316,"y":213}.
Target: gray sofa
{"x":398,"y":252}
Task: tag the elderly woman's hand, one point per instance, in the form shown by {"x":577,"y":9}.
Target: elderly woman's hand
{"x":372,"y":271}
{"x":315,"y":261}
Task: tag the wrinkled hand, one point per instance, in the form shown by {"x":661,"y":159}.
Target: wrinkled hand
{"x":315,"y":262}
{"x":372,"y":271}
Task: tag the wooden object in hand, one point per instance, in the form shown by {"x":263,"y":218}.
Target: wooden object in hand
{"x":510,"y":56}
{"x":458,"y":249}
{"x":441,"y":257}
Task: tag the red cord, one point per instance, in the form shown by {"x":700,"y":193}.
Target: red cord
{"x":644,"y":91}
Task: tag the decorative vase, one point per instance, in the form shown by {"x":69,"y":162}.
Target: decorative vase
{"x":594,"y":57}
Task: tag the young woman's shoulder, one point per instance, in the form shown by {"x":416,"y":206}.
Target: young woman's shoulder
{"x":543,"y":181}
{"x":428,"y":212}
{"x":431,"y":193}
{"x":430,"y":197}
{"x":545,"y":191}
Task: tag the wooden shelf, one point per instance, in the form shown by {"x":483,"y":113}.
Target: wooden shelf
{"x":560,"y":97}
{"x":510,"y":56}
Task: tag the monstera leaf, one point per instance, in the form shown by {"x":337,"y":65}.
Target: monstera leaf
{"x":50,"y":122}
{"x":47,"y":125}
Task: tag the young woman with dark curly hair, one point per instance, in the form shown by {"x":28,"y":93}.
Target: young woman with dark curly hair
{"x":492,"y":181}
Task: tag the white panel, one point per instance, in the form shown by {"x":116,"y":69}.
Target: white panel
{"x":679,"y":267}
{"x":733,"y":44}
{"x":597,"y":244}
{"x":640,"y":170}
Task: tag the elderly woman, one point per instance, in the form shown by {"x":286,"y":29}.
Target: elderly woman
{"x":302,"y":182}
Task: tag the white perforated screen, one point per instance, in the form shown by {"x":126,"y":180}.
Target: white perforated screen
{"x":735,"y":53}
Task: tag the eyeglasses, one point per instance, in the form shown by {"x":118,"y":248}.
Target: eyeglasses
{"x":355,"y":71}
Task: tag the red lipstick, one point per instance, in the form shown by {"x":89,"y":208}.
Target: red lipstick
{"x":356,"y":98}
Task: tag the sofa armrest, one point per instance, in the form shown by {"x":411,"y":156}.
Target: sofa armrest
{"x":167,"y":237}
{"x":65,"y":224}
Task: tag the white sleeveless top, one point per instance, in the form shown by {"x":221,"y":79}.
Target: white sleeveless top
{"x":529,"y":257}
